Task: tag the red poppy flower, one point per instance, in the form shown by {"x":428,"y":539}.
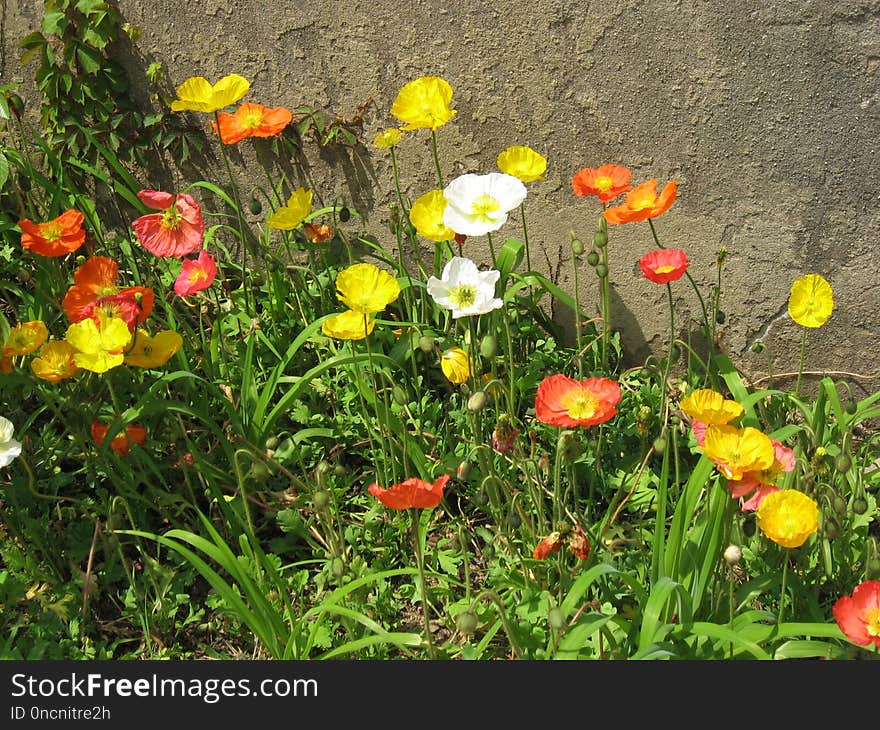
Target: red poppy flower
{"x":858,"y":615}
{"x":57,"y":237}
{"x":664,"y":265}
{"x":133,"y":434}
{"x":411,"y":493}
{"x":606,"y":182}
{"x":95,"y":291}
{"x":574,"y":538}
{"x":567,"y":402}
{"x":251,"y":120}
{"x":642,"y":203}
{"x":195,"y":274}
{"x":550,"y":544}
{"x":177,"y":230}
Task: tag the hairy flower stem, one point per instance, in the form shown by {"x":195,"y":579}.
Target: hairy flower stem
{"x":797,"y":387}
{"x":491,"y":250}
{"x":423,"y":583}
{"x":664,"y":406}
{"x":436,"y":158}
{"x":384,"y":430}
{"x":522,"y":210}
{"x":578,"y":335}
{"x":782,"y":589}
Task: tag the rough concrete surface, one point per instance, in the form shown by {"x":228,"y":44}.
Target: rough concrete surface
{"x":765,"y":113}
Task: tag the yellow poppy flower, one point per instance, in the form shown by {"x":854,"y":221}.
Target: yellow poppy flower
{"x":153,"y":352}
{"x":197,"y":94}
{"x":387,"y":138}
{"x":366,"y":288}
{"x":98,"y":348}
{"x":811,"y":301}
{"x":294,"y":212}
{"x":55,"y":361}
{"x":456,"y":365}
{"x":25,"y":338}
{"x":348,"y":325}
{"x":710,"y":407}
{"x":426,"y":214}
{"x":523,"y":163}
{"x":424,"y":103}
{"x":736,"y":451}
{"x":788,"y":517}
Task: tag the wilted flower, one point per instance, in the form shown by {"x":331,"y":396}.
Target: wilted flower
{"x":642,"y":203}
{"x":479,"y":204}
{"x":568,"y":403}
{"x":424,"y":103}
{"x":9,"y":447}
{"x":664,"y":265}
{"x":153,"y":352}
{"x":293,"y":213}
{"x":176,"y":230}
{"x":858,"y":615}
{"x":464,"y":289}
{"x":366,"y":288}
{"x":606,"y":182}
{"x":811,"y":301}
{"x":348,"y":325}
{"x":195,"y":274}
{"x":99,"y":347}
{"x":736,"y":451}
{"x":121,"y":443}
{"x":25,"y":338}
{"x":456,"y":365}
{"x":55,"y":361}
{"x":251,"y":120}
{"x":318,"y":233}
{"x":57,"y":237}
{"x":387,"y":138}
{"x":197,"y":94}
{"x":523,"y":163}
{"x":575,"y":538}
{"x":788,"y":517}
{"x":762,"y":482}
{"x":426,"y":214}
{"x":413,"y":492}
{"x":504,"y":435}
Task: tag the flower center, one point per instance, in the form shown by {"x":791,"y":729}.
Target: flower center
{"x":872,"y":621}
{"x":197,"y":275}
{"x":463,"y":296}
{"x":483,"y":205}
{"x":603,"y":183}
{"x":641,"y":202}
{"x":171,"y":218}
{"x":253,"y":119}
{"x":51,"y":231}
{"x":580,"y":404}
{"x":665,"y":269}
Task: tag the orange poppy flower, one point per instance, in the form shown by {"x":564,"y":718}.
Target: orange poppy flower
{"x":25,"y":338}
{"x":121,"y":443}
{"x":574,"y":538}
{"x":858,"y":615}
{"x":94,"y":291}
{"x":57,"y":237}
{"x":251,"y":120}
{"x":664,"y":265}
{"x":606,"y":182}
{"x":411,"y":493}
{"x":318,"y":234}
{"x":550,"y":544}
{"x":642,"y":202}
{"x":567,"y":402}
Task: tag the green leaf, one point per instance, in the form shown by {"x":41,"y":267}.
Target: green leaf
{"x":89,"y":59}
{"x":54,"y":23}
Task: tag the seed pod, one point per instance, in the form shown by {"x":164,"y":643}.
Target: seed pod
{"x":733,"y":554}
{"x":659,"y":445}
{"x":337,"y":566}
{"x":426,"y":344}
{"x":838,"y":504}
{"x":399,"y":395}
{"x":467,"y":622}
{"x":320,"y":499}
{"x":860,"y":505}
{"x":851,"y":407}
{"x":720,"y":317}
{"x":843,"y":462}
{"x":344,"y":214}
{"x":577,"y":246}
{"x":255,"y":206}
{"x":600,"y":240}
{"x":601,"y":271}
{"x":592,"y":258}
{"x":831,"y":528}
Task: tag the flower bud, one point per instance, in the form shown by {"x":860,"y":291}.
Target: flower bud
{"x":489,"y":346}
{"x":843,"y":462}
{"x":601,"y":271}
{"x":399,"y":395}
{"x":720,"y":317}
{"x":733,"y":554}
{"x":759,"y":347}
{"x":577,"y":246}
{"x":320,"y":499}
{"x":600,"y":240}
{"x":859,"y":505}
{"x":838,"y":504}
{"x":464,"y":471}
{"x":569,"y":445}
{"x":467,"y":622}
{"x":337,"y":567}
{"x":603,"y":224}
{"x":659,"y":445}
{"x":556,"y":618}
{"x":477,"y":401}
{"x":255,"y":206}
{"x":344,"y":214}
{"x":426,"y":344}
{"x":592,"y":258}
{"x":831,"y":528}
{"x":851,"y":407}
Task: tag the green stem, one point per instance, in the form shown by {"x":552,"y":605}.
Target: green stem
{"x":782,"y":589}
{"x":522,"y":209}
{"x":797,"y":387}
{"x":423,"y":583}
{"x":663,"y":385}
{"x":577,"y":317}
{"x":436,"y":158}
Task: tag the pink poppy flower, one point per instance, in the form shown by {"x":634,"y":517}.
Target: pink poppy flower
{"x":176,"y":230}
{"x":195,"y":274}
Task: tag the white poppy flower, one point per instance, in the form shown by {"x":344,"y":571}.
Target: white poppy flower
{"x":465,"y":289}
{"x":478,"y":204}
{"x":9,"y":447}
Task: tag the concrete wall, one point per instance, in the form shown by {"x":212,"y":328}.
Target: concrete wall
{"x":765,"y":113}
